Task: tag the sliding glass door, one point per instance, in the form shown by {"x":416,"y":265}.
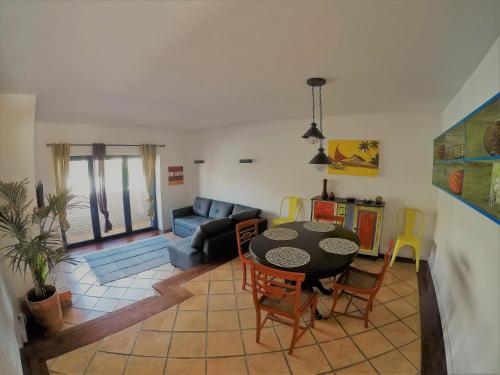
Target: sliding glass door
{"x":126,"y":195}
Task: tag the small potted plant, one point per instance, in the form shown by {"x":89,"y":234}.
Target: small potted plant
{"x":31,"y":242}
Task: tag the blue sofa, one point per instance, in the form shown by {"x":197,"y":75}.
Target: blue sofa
{"x":208,"y":228}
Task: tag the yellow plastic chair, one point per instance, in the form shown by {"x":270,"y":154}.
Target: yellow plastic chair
{"x":294,"y":208}
{"x":413,"y":229}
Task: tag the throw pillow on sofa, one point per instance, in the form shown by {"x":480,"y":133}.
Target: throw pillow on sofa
{"x":201,"y":206}
{"x":220,"y":209}
{"x":209,"y":229}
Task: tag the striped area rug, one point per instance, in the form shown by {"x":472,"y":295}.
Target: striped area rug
{"x":125,"y":260}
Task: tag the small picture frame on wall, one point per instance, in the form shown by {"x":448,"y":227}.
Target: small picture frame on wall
{"x":175,"y":175}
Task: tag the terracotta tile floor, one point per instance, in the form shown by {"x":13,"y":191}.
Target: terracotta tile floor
{"x":213,"y":332}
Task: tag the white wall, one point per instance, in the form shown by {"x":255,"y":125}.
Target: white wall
{"x":467,"y":260}
{"x":173,"y":154}
{"x":281,"y":164}
{"x":17,"y":161}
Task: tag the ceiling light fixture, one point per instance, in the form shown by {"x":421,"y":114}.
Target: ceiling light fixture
{"x":313,"y":135}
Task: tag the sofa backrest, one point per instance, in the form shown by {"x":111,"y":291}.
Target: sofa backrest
{"x":238,"y":208}
{"x":201,"y":206}
{"x":220,"y":209}
{"x":209,"y":229}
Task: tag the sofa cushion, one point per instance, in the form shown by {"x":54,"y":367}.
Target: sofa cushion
{"x":220,"y":209}
{"x":190,"y":221}
{"x":201,"y":206}
{"x":240,"y":208}
{"x":245,"y":215}
{"x":198,"y":238}
{"x":210,"y":229}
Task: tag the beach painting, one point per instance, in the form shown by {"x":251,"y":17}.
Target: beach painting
{"x":354,"y":157}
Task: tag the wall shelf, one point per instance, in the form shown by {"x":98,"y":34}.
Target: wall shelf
{"x":464,"y":168}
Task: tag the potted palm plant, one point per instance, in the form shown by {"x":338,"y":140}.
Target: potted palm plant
{"x":31,"y":243}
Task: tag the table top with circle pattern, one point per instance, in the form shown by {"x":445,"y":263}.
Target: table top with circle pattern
{"x":318,"y":249}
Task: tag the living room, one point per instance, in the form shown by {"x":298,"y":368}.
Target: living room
{"x":198,"y":115}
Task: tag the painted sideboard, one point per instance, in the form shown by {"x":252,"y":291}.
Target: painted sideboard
{"x":363,"y":218}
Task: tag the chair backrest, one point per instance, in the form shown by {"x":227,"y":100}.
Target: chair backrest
{"x":387,"y":260}
{"x":294,"y":207}
{"x":413,"y":222}
{"x":338,"y":220}
{"x":245,"y":231}
{"x":276,"y":284}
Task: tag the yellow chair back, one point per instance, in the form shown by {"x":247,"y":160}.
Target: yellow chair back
{"x":413,"y":222}
{"x":294,"y":207}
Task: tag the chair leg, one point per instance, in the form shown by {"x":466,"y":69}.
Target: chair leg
{"x":417,"y":255}
{"x":395,"y":252}
{"x":244,"y":270}
{"x":335,"y":300}
{"x":294,"y":335}
{"x":257,"y":313}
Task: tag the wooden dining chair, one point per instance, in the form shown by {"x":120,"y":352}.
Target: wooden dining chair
{"x":245,"y":232}
{"x":279,"y":293}
{"x":338,"y":220}
{"x":360,"y":284}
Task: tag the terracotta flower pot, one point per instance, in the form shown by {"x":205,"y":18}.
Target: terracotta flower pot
{"x":47,"y":312}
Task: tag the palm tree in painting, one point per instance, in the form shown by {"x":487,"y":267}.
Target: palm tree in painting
{"x":374,"y":145}
{"x":365,"y":147}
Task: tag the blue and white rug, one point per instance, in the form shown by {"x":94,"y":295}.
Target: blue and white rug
{"x":125,"y":260}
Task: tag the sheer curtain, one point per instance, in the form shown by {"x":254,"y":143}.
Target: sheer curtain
{"x":149,"y":164}
{"x":60,"y":158}
{"x":98,"y":156}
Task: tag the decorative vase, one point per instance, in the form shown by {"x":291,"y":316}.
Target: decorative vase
{"x":324,"y":194}
{"x":455,"y":181}
{"x":491,"y":138}
{"x":47,"y":312}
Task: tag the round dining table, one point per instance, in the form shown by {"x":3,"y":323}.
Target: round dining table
{"x":317,"y":249}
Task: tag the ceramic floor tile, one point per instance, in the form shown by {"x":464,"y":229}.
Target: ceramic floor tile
{"x":353,"y":325}
{"x":402,"y":288}
{"x":105,"y":304}
{"x":96,"y":291}
{"x":385,"y":294}
{"x":224,"y":343}
{"x":191,"y":321}
{"x":86,"y":302}
{"x":185,"y":367}
{"x":187,"y":345}
{"x":73,"y":363}
{"x":145,"y":366}
{"x":412,"y":352}
{"x":267,"y":364}
{"x":222,"y":302}
{"x":221,"y":274}
{"x":226,"y":366}
{"x":114,"y":292}
{"x":413,"y":321}
{"x":307,"y":360}
{"x":393,"y":363}
{"x":245,"y":301}
{"x":152,"y":344}
{"x":381,"y":315}
{"x":364,"y":368}
{"x":80,"y":288}
{"x":398,"y":333}
{"x":141,"y":283}
{"x":197,"y":302}
{"x":327,"y":329}
{"x":268,"y":341}
{"x":285,"y":333}
{"x":223,"y":321}
{"x":221,"y":287}
{"x":372,"y":343}
{"x":401,"y":308}
{"x":163,"y":321}
{"x":146,"y":274}
{"x":342,"y":352}
{"x":414,"y":300}
{"x":107,"y":363}
{"x":133,"y":294}
{"x":120,"y":342}
{"x":197,"y":287}
{"x":74,"y":315}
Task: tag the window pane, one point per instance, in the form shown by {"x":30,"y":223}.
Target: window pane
{"x":138,"y":195}
{"x":114,"y":194}
{"x":79,"y":219}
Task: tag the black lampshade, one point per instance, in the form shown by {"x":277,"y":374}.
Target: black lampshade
{"x":313,"y":134}
{"x":321,"y":158}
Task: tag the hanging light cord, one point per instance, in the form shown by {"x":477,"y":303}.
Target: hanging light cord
{"x":312,"y":90}
{"x":320,"y":116}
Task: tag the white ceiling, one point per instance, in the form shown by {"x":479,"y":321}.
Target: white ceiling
{"x":194,"y":65}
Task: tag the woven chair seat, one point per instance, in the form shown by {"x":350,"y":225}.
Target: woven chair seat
{"x":286,"y":304}
{"x":357,"y":278}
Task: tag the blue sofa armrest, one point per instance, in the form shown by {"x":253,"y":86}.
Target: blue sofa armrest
{"x":179,"y":212}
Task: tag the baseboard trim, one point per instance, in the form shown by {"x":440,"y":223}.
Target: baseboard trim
{"x":36,"y":352}
{"x":433,"y":355}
